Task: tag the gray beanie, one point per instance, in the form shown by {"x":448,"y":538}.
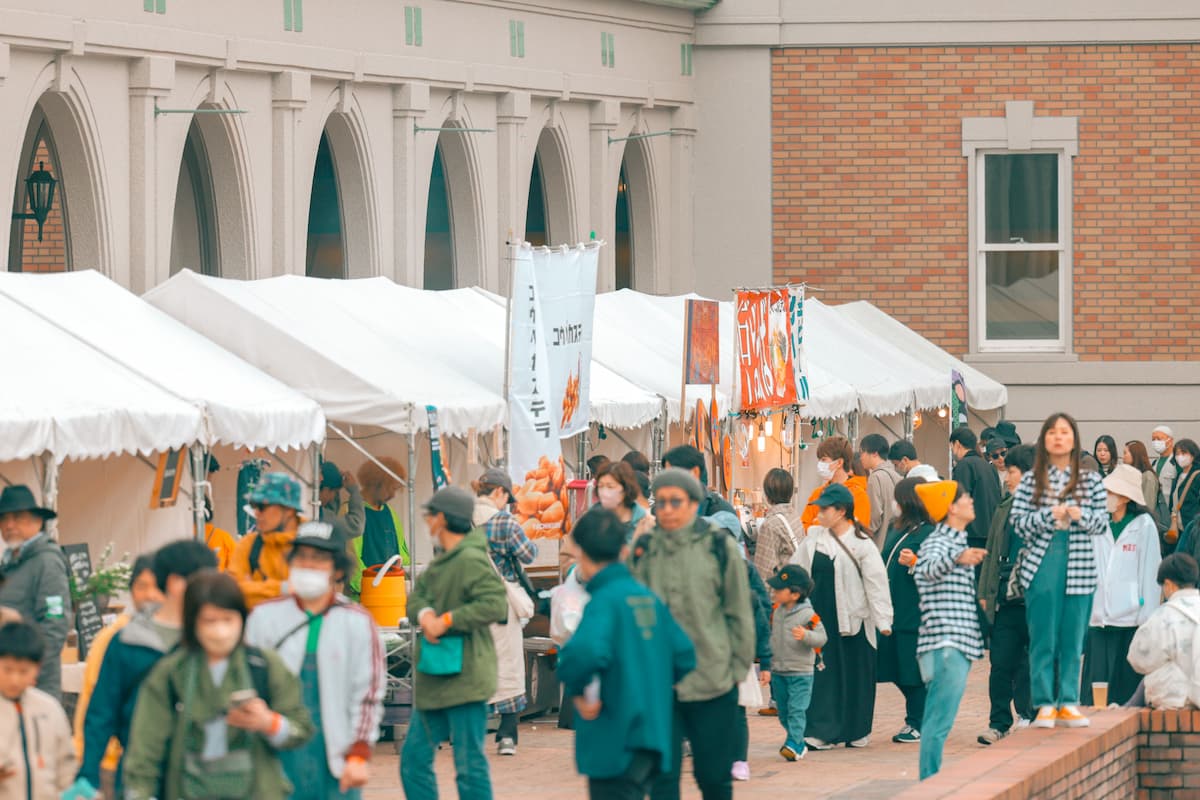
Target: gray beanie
{"x":679,"y":479}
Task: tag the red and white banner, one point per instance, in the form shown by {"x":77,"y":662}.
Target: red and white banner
{"x":767,"y":363}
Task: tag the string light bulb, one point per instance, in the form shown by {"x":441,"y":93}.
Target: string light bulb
{"x":942,"y":412}
{"x":762,"y":439}
{"x":768,"y":427}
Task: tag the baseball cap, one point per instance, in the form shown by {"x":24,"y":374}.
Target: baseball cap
{"x":320,"y":536}
{"x":331,"y":476}
{"x":498,"y":477}
{"x":790,"y":576}
{"x":835,"y":494}
{"x":453,"y":501}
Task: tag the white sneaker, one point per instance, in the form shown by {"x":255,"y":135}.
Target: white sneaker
{"x":741,"y":771}
{"x":863,"y":742}
{"x":817,"y":744}
{"x":1021,"y":724}
{"x":507,"y":747}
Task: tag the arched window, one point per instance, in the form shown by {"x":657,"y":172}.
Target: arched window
{"x":52,"y":253}
{"x":623,"y":247}
{"x":537,"y":230}
{"x":194,"y":239}
{"x":326,"y":252}
{"x":439,"y":231}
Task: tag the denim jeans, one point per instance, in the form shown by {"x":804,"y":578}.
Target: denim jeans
{"x":945,"y":673}
{"x":792,"y":695}
{"x":465,"y":726}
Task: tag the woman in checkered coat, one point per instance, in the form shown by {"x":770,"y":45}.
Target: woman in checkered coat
{"x":1057,"y":509}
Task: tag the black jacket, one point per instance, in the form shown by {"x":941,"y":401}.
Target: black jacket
{"x":980,"y":480}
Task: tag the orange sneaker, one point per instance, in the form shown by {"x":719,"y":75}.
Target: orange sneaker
{"x":1046,"y":717}
{"x":1071,"y":717}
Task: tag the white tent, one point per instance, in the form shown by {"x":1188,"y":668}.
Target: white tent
{"x":292,"y":328}
{"x":243,"y":407}
{"x":983,"y":393}
{"x":68,"y":399}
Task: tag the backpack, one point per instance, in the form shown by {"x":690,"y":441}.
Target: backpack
{"x":716,"y":542}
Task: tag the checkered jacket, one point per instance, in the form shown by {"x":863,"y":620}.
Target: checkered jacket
{"x":1034,"y":523}
{"x":949,"y":610}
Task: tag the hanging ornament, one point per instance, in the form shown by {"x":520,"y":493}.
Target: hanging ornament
{"x":788,"y":433}
{"x":762,"y":439}
{"x":769,"y":427}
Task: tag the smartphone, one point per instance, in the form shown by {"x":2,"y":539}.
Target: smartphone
{"x":241,"y":697}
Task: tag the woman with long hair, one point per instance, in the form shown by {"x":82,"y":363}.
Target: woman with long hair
{"x":1185,"y":499}
{"x":1105,"y":453}
{"x":1057,"y":509}
{"x":1136,"y":456}
{"x":852,"y":597}
{"x":898,"y":652}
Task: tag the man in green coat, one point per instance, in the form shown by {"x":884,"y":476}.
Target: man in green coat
{"x":696,"y":569}
{"x":455,"y":600}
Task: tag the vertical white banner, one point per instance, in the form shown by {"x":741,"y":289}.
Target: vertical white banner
{"x":532,"y":424}
{"x":566,"y":291}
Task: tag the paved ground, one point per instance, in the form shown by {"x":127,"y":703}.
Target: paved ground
{"x":544,"y":766}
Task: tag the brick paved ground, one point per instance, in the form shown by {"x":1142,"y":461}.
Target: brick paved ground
{"x":544,"y":766}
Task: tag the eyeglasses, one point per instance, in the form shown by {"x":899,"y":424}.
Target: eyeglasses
{"x":997,"y":455}
{"x":670,"y":502}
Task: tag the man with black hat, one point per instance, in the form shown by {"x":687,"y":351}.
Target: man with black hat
{"x":456,"y":598}
{"x":334,"y":647}
{"x":34,"y":571}
{"x":348,"y":519}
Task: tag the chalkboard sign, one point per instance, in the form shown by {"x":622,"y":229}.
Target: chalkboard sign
{"x":167,"y":479}
{"x":87,"y":617}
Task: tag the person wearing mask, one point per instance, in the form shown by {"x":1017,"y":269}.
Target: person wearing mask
{"x":977,"y":479}
{"x":617,"y":490}
{"x":510,"y":550}
{"x":259,"y":563}
{"x":696,"y":569}
{"x":1008,"y":680}
{"x":215,"y":713}
{"x":456,"y":599}
{"x":689,"y":459}
{"x":1105,"y":452}
{"x":950,"y":637}
{"x":1057,"y":510}
{"x":881,"y":484}
{"x":898,"y":652}
{"x":1163,"y":649}
{"x":853,"y":599}
{"x":33,"y":578}
{"x":37,"y":758}
{"x":835,"y":458}
{"x":1127,"y":593}
{"x":1135,"y":455}
{"x":349,"y":517}
{"x":333,"y":646}
{"x":153,"y":632}
{"x":1185,"y":497}
{"x":780,"y":529}
{"x":1162,"y":450}
{"x":383,"y":533}
{"x":143,"y":594}
{"x":619,"y":671}
{"x":903,"y":456}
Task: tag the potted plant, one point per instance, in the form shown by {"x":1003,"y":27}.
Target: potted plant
{"x":106,"y":580}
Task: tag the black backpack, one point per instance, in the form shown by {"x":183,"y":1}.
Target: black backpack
{"x":716,"y":541}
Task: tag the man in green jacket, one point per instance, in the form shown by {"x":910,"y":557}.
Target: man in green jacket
{"x":619,"y":668}
{"x":697,"y":570}
{"x":455,"y":600}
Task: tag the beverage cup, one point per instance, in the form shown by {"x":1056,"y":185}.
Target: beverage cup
{"x":1100,"y":694}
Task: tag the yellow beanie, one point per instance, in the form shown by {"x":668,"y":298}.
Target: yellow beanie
{"x":937,"y":497}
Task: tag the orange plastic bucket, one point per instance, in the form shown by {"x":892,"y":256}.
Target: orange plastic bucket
{"x":385,"y":592}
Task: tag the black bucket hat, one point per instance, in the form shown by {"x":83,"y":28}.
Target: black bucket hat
{"x":20,"y":498}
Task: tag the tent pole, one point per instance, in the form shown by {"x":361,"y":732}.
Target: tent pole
{"x":502,"y":459}
{"x":909,"y":423}
{"x":199,"y":481}
{"x":365,"y":454}
{"x":314,"y":453}
{"x":658,"y":435}
{"x":852,"y":428}
{"x":581,"y":443}
{"x":50,"y":490}
{"x":412,"y":538}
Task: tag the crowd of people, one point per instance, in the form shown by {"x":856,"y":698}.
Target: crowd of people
{"x":249,"y":669}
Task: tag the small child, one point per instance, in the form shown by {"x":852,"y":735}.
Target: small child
{"x":797,"y":636}
{"x":38,"y":762}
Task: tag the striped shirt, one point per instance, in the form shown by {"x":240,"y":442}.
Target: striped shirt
{"x":1035,"y":524}
{"x":508,"y":545}
{"x":949,"y":610}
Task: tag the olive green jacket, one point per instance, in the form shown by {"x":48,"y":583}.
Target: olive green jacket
{"x":154,"y":760}
{"x":464,"y":583}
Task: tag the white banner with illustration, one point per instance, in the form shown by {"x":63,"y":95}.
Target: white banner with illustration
{"x":553,"y":307}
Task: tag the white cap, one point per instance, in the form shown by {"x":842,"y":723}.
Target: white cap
{"x":1163,"y":429}
{"x":923,"y":471}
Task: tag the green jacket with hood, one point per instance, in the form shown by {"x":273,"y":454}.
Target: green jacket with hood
{"x":463,"y":582}
{"x":35,"y":583}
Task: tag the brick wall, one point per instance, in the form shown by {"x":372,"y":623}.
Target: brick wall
{"x":870,"y":185}
{"x":50,"y":254}
{"x":1169,"y":756}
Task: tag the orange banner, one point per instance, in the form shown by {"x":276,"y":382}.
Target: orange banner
{"x":765,"y":370}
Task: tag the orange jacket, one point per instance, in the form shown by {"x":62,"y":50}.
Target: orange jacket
{"x":266,"y":582}
{"x":221,"y":543}
{"x":862,"y":504}
{"x":91,"y":674}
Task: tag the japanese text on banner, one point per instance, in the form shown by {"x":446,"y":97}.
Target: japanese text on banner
{"x":765,"y":367}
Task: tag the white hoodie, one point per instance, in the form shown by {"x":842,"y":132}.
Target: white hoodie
{"x":1127,"y":593}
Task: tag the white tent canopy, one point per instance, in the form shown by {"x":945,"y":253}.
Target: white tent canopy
{"x":983,"y":393}
{"x":69,"y":399}
{"x":242,"y":406}
{"x":358,"y":371}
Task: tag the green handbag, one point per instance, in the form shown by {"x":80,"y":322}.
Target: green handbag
{"x":444,"y":658}
{"x":228,"y":777}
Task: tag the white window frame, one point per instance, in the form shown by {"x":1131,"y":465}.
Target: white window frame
{"x":1019,"y":132}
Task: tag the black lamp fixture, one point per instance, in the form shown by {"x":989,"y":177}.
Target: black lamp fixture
{"x":39,"y":188}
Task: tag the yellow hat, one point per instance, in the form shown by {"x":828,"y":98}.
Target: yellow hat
{"x":937,"y":497}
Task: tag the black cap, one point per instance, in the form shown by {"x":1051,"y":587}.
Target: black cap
{"x":452,"y":500}
{"x":500,"y":478}
{"x":331,"y":476}
{"x":791,"y":576}
{"x":320,"y":536}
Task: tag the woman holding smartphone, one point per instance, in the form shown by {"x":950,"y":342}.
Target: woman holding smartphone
{"x":212,"y":715}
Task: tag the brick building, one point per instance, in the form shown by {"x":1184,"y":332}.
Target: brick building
{"x":1017,"y":183}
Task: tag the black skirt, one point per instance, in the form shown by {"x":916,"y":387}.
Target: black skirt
{"x":843,"y":697}
{"x":898,"y":660}
{"x":1106,"y":660}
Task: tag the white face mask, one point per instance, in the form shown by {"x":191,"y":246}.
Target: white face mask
{"x":1184,"y":461}
{"x":1158,"y":446}
{"x":219,"y":638}
{"x":825,"y":470}
{"x":610,"y":498}
{"x":309,"y":584}
{"x":1113,"y":504}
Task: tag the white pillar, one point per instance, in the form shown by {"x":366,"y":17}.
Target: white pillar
{"x":680,"y":275}
{"x":149,"y":79}
{"x":410,"y":102}
{"x":290,"y":94}
{"x":512,"y":114}
{"x":606,"y":114}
